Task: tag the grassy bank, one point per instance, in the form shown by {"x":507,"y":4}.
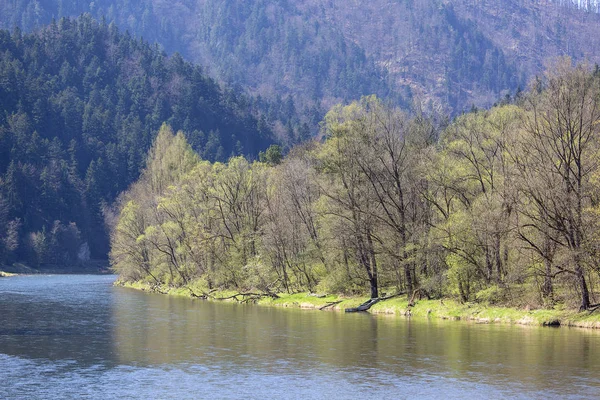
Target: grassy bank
{"x":442,"y":309}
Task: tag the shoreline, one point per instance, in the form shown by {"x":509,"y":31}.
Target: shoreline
{"x":445,"y":309}
{"x":94,"y":267}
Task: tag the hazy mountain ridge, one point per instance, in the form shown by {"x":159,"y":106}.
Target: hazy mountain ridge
{"x":534,"y":32}
{"x":450,"y":54}
{"x":428,"y":47}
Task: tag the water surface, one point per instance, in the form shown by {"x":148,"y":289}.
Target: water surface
{"x":78,"y":336}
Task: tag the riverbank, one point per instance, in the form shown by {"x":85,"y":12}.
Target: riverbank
{"x":88,"y":267}
{"x":441,"y":309}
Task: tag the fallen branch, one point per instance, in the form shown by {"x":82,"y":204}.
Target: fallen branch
{"x":333,"y":303}
{"x":203,"y":296}
{"x":364,"y":306}
{"x":369,"y":303}
{"x":250,"y":295}
{"x":158,"y":289}
{"x":593,"y":308}
{"x":392,"y":296}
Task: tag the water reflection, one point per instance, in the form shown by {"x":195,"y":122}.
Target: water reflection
{"x":73,"y":336}
{"x":155,"y":330}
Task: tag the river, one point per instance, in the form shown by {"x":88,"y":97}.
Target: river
{"x":77,"y":336}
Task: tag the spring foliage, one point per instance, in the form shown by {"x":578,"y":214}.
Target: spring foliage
{"x":499,"y":207}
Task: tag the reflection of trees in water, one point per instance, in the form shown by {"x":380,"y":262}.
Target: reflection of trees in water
{"x":119,"y":326}
{"x":163,"y":330}
{"x":158,"y":329}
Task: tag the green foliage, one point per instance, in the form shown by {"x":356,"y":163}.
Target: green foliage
{"x":491,"y":295}
{"x":336,"y":281}
{"x":272,"y":155}
{"x":169,"y":159}
{"x":478,"y":216}
{"x":81,"y":103}
{"x":461,"y":276}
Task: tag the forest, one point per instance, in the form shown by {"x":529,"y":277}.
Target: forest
{"x":81,"y":104}
{"x":499,"y":206}
{"x":496,"y":205}
{"x":312,"y":54}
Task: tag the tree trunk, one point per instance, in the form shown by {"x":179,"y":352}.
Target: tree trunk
{"x":547,"y":290}
{"x":498,"y":257}
{"x":409,"y":278}
{"x":373,"y":275}
{"x":488,"y":263}
{"x":585,"y":294}
{"x":374,"y":288}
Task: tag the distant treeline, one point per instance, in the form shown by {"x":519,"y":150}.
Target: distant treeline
{"x":80,"y":106}
{"x":501,"y":206}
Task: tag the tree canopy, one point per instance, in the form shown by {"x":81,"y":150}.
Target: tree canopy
{"x":499,"y":207}
{"x":81,"y":103}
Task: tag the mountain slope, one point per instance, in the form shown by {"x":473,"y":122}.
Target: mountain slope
{"x":81,"y":103}
{"x":320,"y":52}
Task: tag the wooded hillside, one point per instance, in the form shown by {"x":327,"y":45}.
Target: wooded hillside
{"x":81,"y":104}
{"x":308,"y":55}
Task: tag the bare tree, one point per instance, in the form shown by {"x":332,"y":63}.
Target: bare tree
{"x":561,"y":156}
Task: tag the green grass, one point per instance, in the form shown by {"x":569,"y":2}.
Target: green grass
{"x":451,"y":309}
{"x":433,"y":309}
{"x":305,"y":300}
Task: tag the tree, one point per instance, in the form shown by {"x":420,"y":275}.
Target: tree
{"x":348,"y":190}
{"x":142,"y":226}
{"x":272,"y":155}
{"x":292,"y":238}
{"x":479,"y":223}
{"x":558,"y":160}
{"x":169,"y":159}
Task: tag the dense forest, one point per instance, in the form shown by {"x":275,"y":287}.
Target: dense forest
{"x":305,"y":56}
{"x":289,"y":62}
{"x":81,"y":104}
{"x":498,"y":205}
{"x":501,"y":206}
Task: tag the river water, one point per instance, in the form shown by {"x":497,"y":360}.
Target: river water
{"x":77,"y":337}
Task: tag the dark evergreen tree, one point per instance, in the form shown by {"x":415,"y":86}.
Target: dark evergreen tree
{"x":81,"y":103}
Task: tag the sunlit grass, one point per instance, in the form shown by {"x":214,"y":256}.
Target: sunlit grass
{"x":307,"y":300}
{"x":438,"y":309}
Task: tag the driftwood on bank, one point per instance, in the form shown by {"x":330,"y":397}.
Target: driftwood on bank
{"x":156,"y":288}
{"x":333,"y":303}
{"x":593,"y":308}
{"x":369,"y":303}
{"x":364,"y":306}
{"x":247,"y":297}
